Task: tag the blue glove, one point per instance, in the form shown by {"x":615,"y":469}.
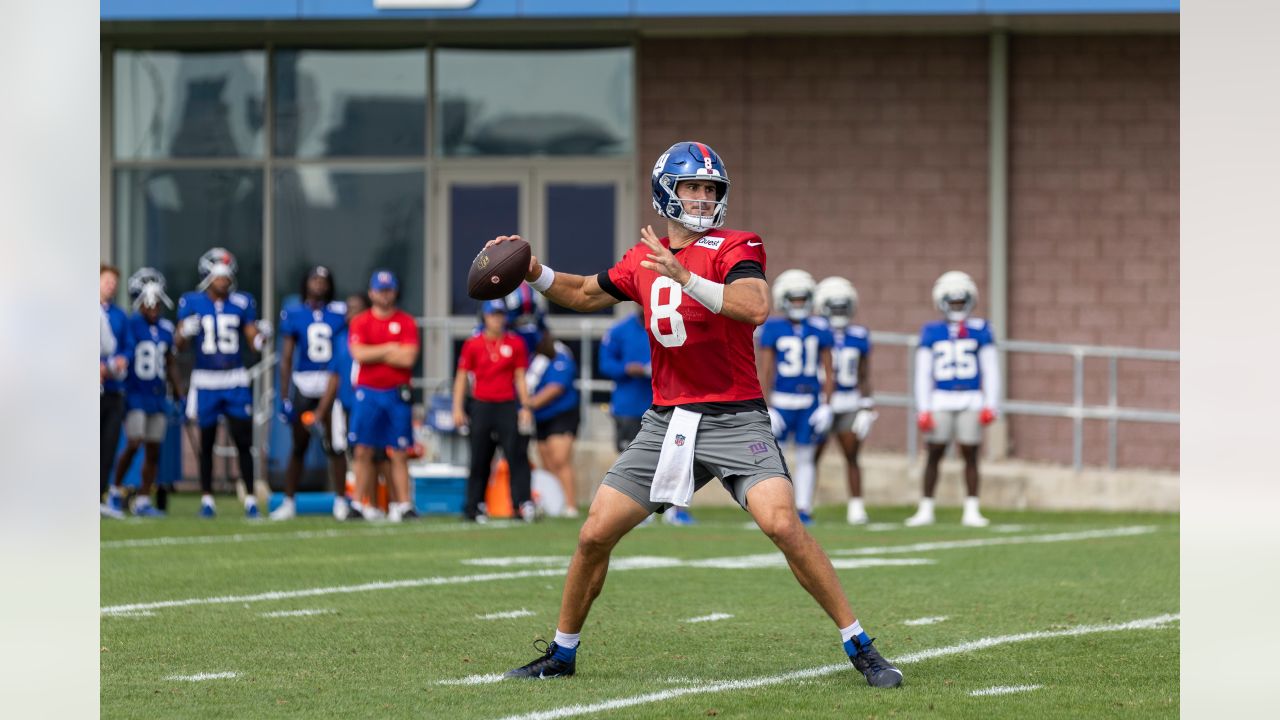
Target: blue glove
{"x":286,"y":411}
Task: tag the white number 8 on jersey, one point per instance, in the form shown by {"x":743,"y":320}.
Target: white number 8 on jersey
{"x":670,"y":311}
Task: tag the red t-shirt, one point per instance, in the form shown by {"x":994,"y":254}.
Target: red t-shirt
{"x":493,"y":365}
{"x":698,"y":356}
{"x":369,"y":329}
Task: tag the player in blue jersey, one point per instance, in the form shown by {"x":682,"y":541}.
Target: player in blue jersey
{"x":625,"y":358}
{"x":308,"y":327}
{"x":854,"y":408}
{"x":526,"y":316}
{"x":553,"y":398}
{"x":112,"y":368}
{"x":152,"y":373}
{"x":957,"y":389}
{"x":215,"y":319}
{"x":793,"y":346}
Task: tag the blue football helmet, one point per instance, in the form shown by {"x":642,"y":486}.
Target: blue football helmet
{"x":216,"y":262}
{"x":689,"y":160}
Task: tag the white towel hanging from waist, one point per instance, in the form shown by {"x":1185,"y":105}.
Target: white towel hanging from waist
{"x":673,"y":478}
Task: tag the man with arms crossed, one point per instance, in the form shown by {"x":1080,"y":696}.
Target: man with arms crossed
{"x":703,"y":294}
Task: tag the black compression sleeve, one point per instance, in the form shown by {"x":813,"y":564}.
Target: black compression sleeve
{"x":744,"y":269}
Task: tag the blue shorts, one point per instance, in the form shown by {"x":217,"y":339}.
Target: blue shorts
{"x":148,"y":403}
{"x":381,"y":419}
{"x":798,"y":426}
{"x":234,"y":402}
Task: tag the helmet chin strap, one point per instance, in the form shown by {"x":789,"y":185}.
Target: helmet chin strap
{"x":839,"y":322}
{"x":796,"y":314}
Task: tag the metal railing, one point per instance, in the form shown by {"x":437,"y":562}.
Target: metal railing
{"x":438,"y":375}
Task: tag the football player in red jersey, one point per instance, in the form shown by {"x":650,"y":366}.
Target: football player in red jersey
{"x":703,"y":292}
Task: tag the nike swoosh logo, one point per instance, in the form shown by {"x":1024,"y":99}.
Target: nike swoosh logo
{"x":751,"y":244}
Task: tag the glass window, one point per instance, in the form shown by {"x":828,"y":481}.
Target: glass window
{"x":354,"y":221}
{"x":168,"y":218}
{"x":189,"y":104}
{"x":477,"y":214}
{"x":350,"y":102}
{"x":534,"y":102}
{"x":580,"y":229}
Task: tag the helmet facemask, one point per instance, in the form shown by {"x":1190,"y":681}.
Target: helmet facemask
{"x":839,"y":312}
{"x":709,"y":214}
{"x":797,"y":304}
{"x":948,"y":305}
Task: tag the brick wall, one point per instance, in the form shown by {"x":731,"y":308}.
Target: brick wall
{"x":866,"y":157}
{"x":1094,"y":231}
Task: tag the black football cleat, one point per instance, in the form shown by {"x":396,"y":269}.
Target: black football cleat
{"x":545,"y":667}
{"x":879,"y":672}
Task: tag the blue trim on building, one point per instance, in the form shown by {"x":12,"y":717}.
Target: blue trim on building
{"x":493,"y":9}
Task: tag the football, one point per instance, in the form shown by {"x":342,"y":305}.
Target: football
{"x":498,"y":270}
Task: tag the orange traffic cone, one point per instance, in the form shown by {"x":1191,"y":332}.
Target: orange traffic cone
{"x":497,"y":497}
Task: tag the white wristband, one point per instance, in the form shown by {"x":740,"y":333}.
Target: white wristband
{"x":543,"y":283}
{"x":707,"y":292}
{"x":866,"y":403}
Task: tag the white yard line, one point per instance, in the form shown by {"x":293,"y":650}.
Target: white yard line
{"x":339,"y":589}
{"x":296,"y":613}
{"x":640,"y":562}
{"x":204,"y":676}
{"x":1004,"y":690}
{"x":925,"y":620}
{"x":709,"y":618}
{"x":1151,"y":623}
{"x":506,"y":615}
{"x":178,"y":540}
{"x":1015,"y":540}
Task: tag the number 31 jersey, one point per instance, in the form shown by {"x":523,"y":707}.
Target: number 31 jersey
{"x":698,"y":356}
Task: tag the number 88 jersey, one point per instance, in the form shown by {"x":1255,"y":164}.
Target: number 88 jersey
{"x":698,"y":356}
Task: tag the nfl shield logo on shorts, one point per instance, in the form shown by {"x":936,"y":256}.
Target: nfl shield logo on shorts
{"x":679,"y":440}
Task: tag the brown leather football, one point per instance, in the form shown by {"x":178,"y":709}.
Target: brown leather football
{"x":498,"y":270}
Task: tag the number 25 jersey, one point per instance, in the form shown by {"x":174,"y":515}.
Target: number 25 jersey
{"x":698,"y":356}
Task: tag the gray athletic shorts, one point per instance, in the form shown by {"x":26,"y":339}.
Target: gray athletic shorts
{"x":961,"y":426}
{"x":738,"y":448}
{"x":147,"y":427}
{"x":843,"y":422}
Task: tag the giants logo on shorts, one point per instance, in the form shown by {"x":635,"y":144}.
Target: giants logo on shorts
{"x":758,"y":448}
{"x":679,"y":440}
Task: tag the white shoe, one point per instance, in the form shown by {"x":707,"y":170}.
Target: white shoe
{"x":922,"y":517}
{"x":570,"y":511}
{"x":974,"y":520}
{"x":528,"y":511}
{"x":286,"y":511}
{"x":341,"y":510}
{"x":856,"y":516}
{"x":394,"y":513}
{"x":109,"y":512}
{"x":373,"y":513}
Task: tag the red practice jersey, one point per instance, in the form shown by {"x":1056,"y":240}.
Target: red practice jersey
{"x":698,"y":356}
{"x":493,"y":365}
{"x":369,"y":329}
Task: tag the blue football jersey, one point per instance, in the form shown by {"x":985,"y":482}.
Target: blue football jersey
{"x":851,"y":345}
{"x":313,"y":330}
{"x":151,"y":344}
{"x":562,"y":371}
{"x":796,"y":349}
{"x":954,"y":348}
{"x":222,"y":324}
{"x":345,"y":367}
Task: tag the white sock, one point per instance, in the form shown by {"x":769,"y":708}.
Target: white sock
{"x":141,"y":501}
{"x":114,"y":491}
{"x":856,"y":504}
{"x":250,"y":501}
{"x":852,"y":631}
{"x":971,"y":505}
{"x":206,"y":499}
{"x":567,"y":641}
{"x":288,"y":501}
{"x":926,"y":505}
{"x":805,"y":477}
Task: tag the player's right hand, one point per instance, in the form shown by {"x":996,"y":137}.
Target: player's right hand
{"x":190,"y":326}
{"x":286,"y":411}
{"x":924,"y":421}
{"x":776,"y":423}
{"x":460,"y":420}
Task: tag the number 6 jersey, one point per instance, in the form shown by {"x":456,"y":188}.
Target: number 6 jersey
{"x":951,"y":363}
{"x":312,"y":329}
{"x":698,"y":356}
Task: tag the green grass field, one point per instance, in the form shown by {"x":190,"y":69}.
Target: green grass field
{"x":184,"y":597}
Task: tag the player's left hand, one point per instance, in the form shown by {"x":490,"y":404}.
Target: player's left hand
{"x":265,"y":328}
{"x":661,"y":260}
{"x":862,"y":423}
{"x":821,"y":419}
{"x":525,"y":421}
{"x":987,"y":416}
{"x":286,"y":411}
{"x":119,"y":367}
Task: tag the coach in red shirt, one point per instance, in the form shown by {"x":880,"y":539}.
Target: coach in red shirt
{"x":495,"y":360}
{"x":384,"y":341}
